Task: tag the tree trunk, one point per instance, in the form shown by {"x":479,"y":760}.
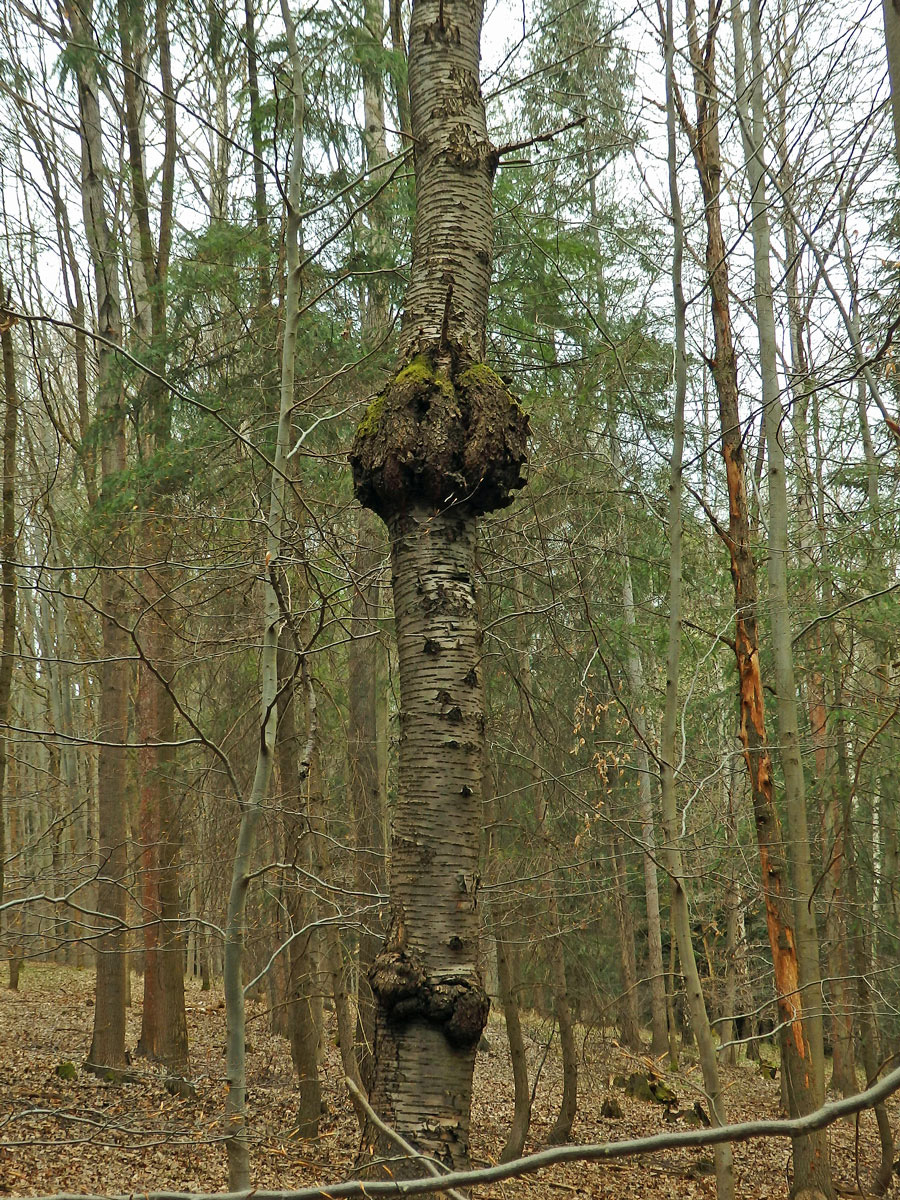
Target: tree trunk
{"x":333,"y":953}
{"x":302,"y":1015}
{"x":431,"y":1007}
{"x":164,"y":1022}
{"x":508,"y":980}
{"x":444,"y":443}
{"x":636,"y":686}
{"x":8,"y":578}
{"x":275,"y":616}
{"x":842,"y":793}
{"x":681,"y":920}
{"x":561,"y":1130}
{"x":752,"y":119}
{"x":629,"y":1021}
{"x":810,"y":1153}
{"x":364,"y":660}
{"x":108,"y":1041}
{"x":891,"y":14}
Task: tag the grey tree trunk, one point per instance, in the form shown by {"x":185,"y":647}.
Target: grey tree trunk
{"x":562,"y":1126}
{"x":629,"y":1021}
{"x":303,"y":1013}
{"x":753,"y":131}
{"x":891,"y":13}
{"x":365,"y":660}
{"x":274,"y":617}
{"x":108,"y":1041}
{"x":681,"y":921}
{"x":444,"y":443}
{"x":508,"y":980}
{"x":659,"y":1029}
{"x":8,"y":578}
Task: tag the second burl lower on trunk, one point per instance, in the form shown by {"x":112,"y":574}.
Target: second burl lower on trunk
{"x":441,"y":429}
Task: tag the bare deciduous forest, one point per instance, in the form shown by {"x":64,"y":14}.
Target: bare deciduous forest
{"x":449,"y":652}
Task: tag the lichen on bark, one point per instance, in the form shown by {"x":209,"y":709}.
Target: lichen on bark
{"x":444,"y":431}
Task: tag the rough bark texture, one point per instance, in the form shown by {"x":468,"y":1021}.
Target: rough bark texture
{"x":367,"y":793}
{"x":680,"y":911}
{"x":431,"y":1006}
{"x":811,"y":1166}
{"x":108,"y":1041}
{"x":446,"y":430}
{"x":453,"y":234}
{"x":443,"y":443}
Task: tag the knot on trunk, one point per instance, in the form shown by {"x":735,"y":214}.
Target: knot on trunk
{"x":448,"y":434}
{"x":457,"y":1004}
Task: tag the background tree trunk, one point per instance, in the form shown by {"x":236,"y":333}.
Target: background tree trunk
{"x":7,"y":582}
{"x":108,"y":1042}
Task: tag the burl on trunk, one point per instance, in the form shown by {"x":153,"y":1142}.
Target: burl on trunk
{"x":444,"y":443}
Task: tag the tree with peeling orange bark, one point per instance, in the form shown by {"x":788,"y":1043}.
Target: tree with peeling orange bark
{"x":812,"y":1170}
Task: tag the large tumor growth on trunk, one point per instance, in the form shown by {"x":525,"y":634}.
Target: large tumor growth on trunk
{"x":444,"y":431}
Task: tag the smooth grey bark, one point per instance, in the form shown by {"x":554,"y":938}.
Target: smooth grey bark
{"x":508,"y":980}
{"x":681,"y":921}
{"x":303,"y":1009}
{"x":803,"y":390}
{"x":753,"y":135}
{"x":636,"y":686}
{"x":629,"y":1022}
{"x":8,"y":578}
{"x":869,"y":1041}
{"x":274,"y":616}
{"x":891,"y":13}
{"x":562,"y":1125}
{"x":330,"y":937}
{"x":561,"y":1130}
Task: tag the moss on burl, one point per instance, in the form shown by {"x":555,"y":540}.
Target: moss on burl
{"x":442,"y":435}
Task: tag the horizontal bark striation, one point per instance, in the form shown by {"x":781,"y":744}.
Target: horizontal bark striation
{"x":453,"y":241}
{"x":457,"y":1005}
{"x":431,"y":1005}
{"x":441,"y":433}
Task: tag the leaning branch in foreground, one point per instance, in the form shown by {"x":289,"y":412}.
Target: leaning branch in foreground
{"x":745,"y":1131}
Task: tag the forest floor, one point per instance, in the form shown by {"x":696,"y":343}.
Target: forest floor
{"x":80,"y":1135}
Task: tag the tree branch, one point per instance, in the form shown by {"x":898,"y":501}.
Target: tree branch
{"x":745,"y":1131}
